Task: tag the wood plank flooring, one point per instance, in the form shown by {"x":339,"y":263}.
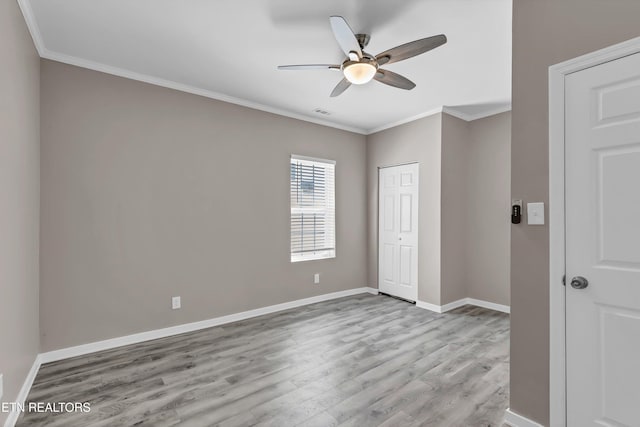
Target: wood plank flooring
{"x":358,"y":361}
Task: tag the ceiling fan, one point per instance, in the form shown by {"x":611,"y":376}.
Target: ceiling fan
{"x":361,"y":67}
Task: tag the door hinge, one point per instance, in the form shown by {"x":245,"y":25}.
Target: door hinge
{"x":564,"y":280}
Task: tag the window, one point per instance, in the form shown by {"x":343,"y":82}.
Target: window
{"x":313,"y":224}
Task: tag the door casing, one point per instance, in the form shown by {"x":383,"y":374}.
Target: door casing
{"x":557,"y":353}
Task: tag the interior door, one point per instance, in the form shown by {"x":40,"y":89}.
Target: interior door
{"x":603,"y":244}
{"x":398,"y":231}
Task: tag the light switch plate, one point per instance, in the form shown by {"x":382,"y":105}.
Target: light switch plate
{"x":535,"y":213}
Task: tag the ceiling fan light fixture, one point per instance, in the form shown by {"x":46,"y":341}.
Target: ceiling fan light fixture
{"x":359,"y":73}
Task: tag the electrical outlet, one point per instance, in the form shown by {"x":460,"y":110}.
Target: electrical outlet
{"x":175,"y":303}
{"x":316,"y":278}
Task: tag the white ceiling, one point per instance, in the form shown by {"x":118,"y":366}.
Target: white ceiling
{"x":229,"y":50}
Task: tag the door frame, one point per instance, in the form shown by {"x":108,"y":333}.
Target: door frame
{"x":378,"y":221}
{"x":557,"y":308}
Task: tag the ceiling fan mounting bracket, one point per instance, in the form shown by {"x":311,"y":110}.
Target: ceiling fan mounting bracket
{"x":363,"y":40}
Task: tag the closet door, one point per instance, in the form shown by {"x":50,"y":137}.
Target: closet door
{"x":398,"y":231}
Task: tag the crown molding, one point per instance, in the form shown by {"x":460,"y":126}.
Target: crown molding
{"x":145,"y":78}
{"x":455,"y":113}
{"x":444,"y":109}
{"x":34,"y":30}
{"x":471,"y":117}
{"x":32,"y":25}
{"x":406,"y":120}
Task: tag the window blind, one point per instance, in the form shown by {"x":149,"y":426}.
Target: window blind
{"x":313,"y":227}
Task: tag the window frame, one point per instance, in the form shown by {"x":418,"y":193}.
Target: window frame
{"x":314,"y":254}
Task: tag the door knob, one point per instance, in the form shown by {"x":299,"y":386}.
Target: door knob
{"x":579,"y":282}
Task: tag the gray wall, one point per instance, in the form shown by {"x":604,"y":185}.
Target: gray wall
{"x":456,"y":141}
{"x":488,"y":209}
{"x":149,"y":193}
{"x":19,"y":199}
{"x":418,"y":141}
{"x":464,"y":203}
{"x":545,"y":32}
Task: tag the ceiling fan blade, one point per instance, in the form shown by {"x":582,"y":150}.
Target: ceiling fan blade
{"x":341,"y":87}
{"x":393,"y":79}
{"x":345,"y":36}
{"x":410,"y":49}
{"x":309,"y":67}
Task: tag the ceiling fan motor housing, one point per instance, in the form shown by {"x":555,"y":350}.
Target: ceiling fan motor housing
{"x":366,"y":59}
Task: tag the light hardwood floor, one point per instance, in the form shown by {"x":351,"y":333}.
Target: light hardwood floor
{"x":358,"y":361}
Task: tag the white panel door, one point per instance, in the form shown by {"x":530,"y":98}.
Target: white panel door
{"x":398,"y":231}
{"x":603,"y":244}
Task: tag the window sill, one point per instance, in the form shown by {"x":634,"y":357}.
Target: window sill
{"x":312,"y":257}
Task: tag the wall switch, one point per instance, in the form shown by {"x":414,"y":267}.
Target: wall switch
{"x":316,"y":278}
{"x":535,"y":213}
{"x":175,"y":303}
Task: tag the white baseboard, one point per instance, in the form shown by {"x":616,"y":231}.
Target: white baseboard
{"x":489,"y":305}
{"x":464,"y":301}
{"x":24,"y":392}
{"x":65,"y":353}
{"x":442,"y":308}
{"x":515,"y":420}
{"x":108,"y":344}
{"x":429,"y":306}
{"x":81,"y":350}
{"x":455,"y":304}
